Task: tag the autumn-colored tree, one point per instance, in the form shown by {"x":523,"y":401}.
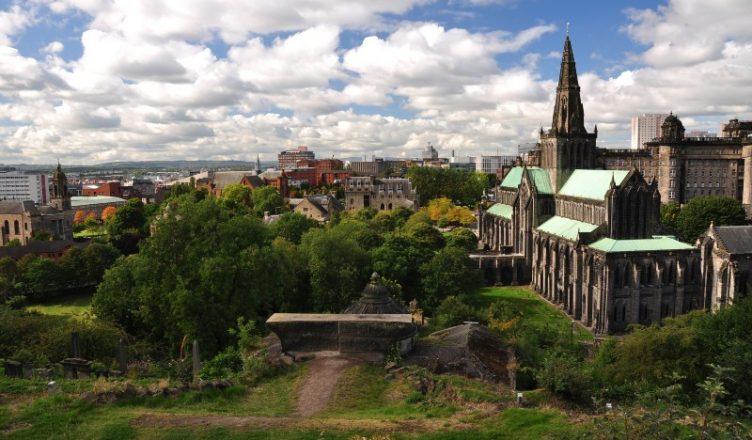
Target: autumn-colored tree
{"x":91,"y":215}
{"x":108,"y":212}
{"x":79,"y":217}
{"x":438,"y":207}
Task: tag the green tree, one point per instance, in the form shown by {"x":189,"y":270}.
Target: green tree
{"x":462,"y":238}
{"x":267,"y":199}
{"x":397,"y":258}
{"x":237,"y":197}
{"x":8,"y":272}
{"x":338,"y":267}
{"x":449,"y":272}
{"x":670,"y":213}
{"x":291,"y":226}
{"x":695,"y":217}
{"x":203,"y":267}
{"x":96,"y":259}
{"x":128,"y":226}
{"x":460,"y":186}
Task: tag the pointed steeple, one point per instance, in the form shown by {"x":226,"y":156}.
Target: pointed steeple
{"x":258,"y":162}
{"x":569,"y":116}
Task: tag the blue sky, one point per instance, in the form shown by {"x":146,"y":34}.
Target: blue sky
{"x":89,"y":81}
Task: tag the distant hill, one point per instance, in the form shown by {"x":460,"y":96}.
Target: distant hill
{"x":152,"y":165}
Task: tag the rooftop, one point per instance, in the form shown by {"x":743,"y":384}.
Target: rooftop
{"x":94,"y":200}
{"x":565,"y":227}
{"x":539,"y":176}
{"x":735,"y":239}
{"x":501,"y":210}
{"x":591,"y":184}
{"x":657,"y":243}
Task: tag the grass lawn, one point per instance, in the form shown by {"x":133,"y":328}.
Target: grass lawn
{"x":535,"y":311}
{"x":76,"y":306}
{"x":90,"y":233}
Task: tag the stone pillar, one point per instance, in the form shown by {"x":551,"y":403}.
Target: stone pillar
{"x":196,"y":360}
{"x":576,"y":281}
{"x":122,"y":356}
{"x":747,"y":185}
{"x":514,"y":271}
{"x":75,"y":345}
{"x":633,"y":310}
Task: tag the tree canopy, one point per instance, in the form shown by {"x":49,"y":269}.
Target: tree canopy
{"x":462,"y":187}
{"x":695,"y":217}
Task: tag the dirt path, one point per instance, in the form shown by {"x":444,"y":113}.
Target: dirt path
{"x":318,"y":388}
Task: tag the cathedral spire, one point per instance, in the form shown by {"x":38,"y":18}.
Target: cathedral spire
{"x":568,"y":113}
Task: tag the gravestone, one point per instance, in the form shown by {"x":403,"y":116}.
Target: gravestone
{"x":75,"y":345}
{"x":122,"y":356}
{"x":75,"y":367}
{"x":196,"y":361}
{"x":13,"y":369}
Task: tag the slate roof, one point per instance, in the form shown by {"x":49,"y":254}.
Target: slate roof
{"x":735,"y":239}
{"x":539,"y":176}
{"x":565,"y":227}
{"x":224,"y":178}
{"x":321,"y":201}
{"x":657,"y":243}
{"x":501,"y":210}
{"x":39,"y":248}
{"x":591,"y":184}
{"x":18,"y":207}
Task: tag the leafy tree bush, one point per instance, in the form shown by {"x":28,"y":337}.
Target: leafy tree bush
{"x":339,"y":268}
{"x":462,"y":238}
{"x":564,"y":374}
{"x":453,"y":311}
{"x":695,"y":217}
{"x":203,"y":267}
{"x":108,"y":212}
{"x":460,"y":186}
{"x":449,"y":272}
{"x":397,"y":258}
{"x":291,"y":226}
{"x":267,"y":199}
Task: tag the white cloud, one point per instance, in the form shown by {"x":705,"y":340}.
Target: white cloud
{"x":152,"y":84}
{"x":53,"y":48}
{"x":12,"y":21}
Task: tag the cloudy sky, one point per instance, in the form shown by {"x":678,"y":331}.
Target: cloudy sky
{"x":88,"y":81}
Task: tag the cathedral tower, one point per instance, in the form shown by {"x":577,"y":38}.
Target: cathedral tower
{"x":567,"y":145}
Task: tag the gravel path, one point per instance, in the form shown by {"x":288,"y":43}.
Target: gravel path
{"x":323,"y":374}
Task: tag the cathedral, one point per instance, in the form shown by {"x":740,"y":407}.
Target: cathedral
{"x":587,"y":238}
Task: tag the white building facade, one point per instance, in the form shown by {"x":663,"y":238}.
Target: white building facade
{"x":489,"y":164}
{"x":17,"y":185}
{"x":645,"y":128}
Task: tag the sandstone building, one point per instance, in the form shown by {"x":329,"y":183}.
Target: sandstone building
{"x":380,"y":194}
{"x":687,"y":167}
{"x":587,"y":238}
{"x":726,"y":264}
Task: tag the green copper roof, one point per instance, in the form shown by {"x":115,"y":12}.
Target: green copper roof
{"x":501,"y":210}
{"x":513,"y":178}
{"x":657,"y":243}
{"x":591,"y":184}
{"x":565,"y":227}
{"x":539,"y":177}
{"x":94,"y":200}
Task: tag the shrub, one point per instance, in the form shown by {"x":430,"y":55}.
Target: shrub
{"x":225,"y":364}
{"x":453,"y":311}
{"x":565,"y":375}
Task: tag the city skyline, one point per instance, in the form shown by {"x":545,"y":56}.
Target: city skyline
{"x":99,"y":81}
